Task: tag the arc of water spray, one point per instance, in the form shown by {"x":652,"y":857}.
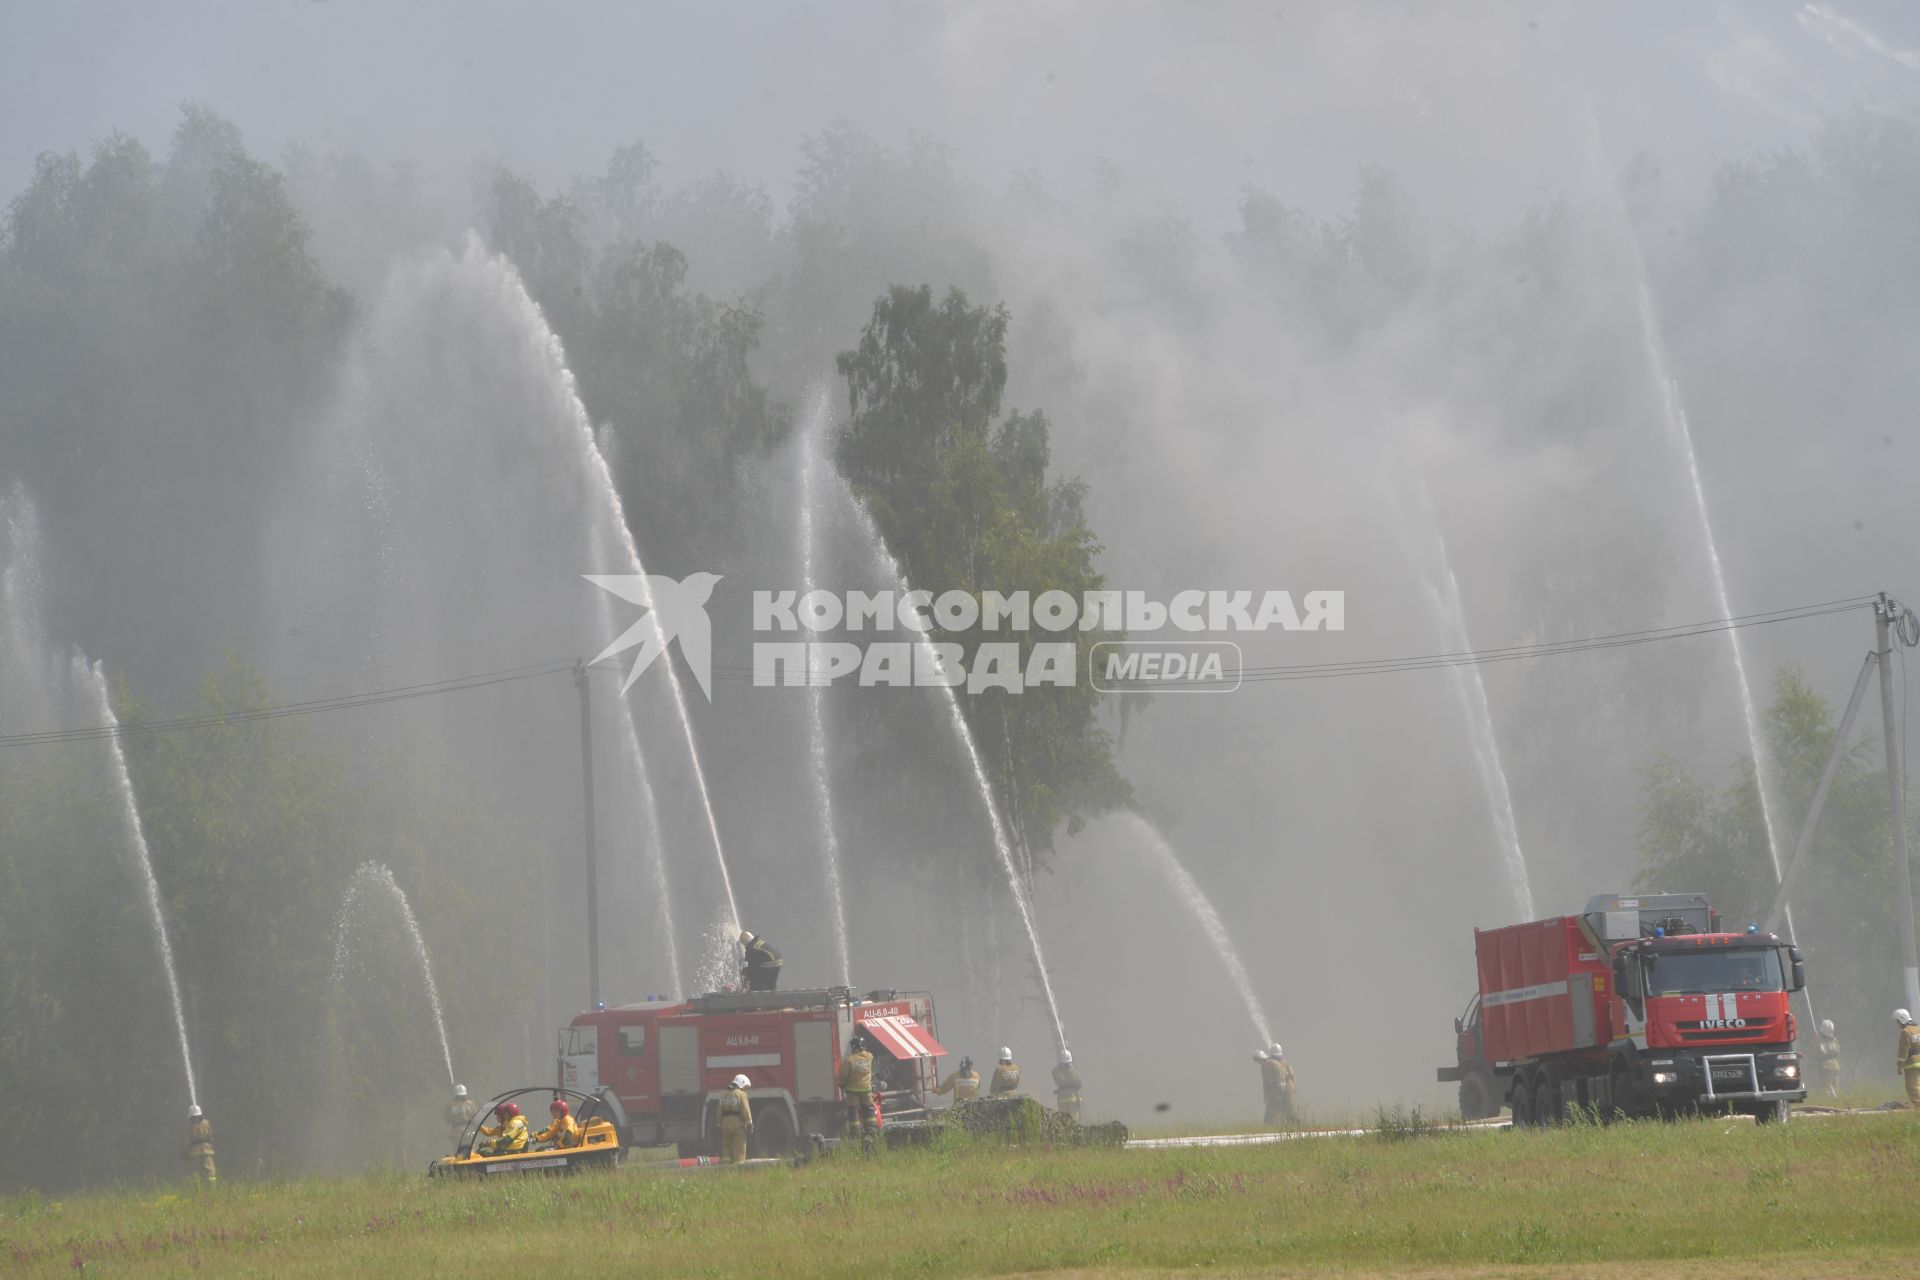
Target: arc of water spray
{"x":93,"y":674}
{"x":597,"y":461}
{"x":643,"y":777}
{"x":1674,"y":411}
{"x":929,"y":658}
{"x":375,"y":876}
{"x":1443,"y":592}
{"x":1202,"y":908}
{"x":810,"y":463}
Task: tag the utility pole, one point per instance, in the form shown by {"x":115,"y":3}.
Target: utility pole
{"x":593,"y":859}
{"x":1884,"y":618}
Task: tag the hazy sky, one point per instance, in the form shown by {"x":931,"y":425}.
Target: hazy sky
{"x":1478,"y":106}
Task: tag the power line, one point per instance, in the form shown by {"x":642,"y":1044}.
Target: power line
{"x":1297,"y":671}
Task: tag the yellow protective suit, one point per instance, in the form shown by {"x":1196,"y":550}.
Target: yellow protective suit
{"x":736,"y":1125}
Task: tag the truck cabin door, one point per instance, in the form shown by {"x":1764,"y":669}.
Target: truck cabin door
{"x":580,"y":1058}
{"x":633,"y":1068}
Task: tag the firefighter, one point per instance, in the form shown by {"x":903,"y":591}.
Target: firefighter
{"x":1830,"y":1057}
{"x":856,"y":1082}
{"x":1066,"y":1087}
{"x":199,"y":1153}
{"x":963,"y":1084}
{"x":736,"y":1121}
{"x":1909,"y":1060}
{"x":761,"y":969}
{"x":508,"y":1136}
{"x":564,"y":1131}
{"x":1006,"y":1076}
{"x":460,"y":1113}
{"x":1276,"y":1082}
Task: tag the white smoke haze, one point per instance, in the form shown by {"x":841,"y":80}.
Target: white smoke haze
{"x":1264,"y":264}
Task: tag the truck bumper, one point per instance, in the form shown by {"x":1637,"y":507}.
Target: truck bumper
{"x":1448,"y":1075}
{"x":1716,"y":1075}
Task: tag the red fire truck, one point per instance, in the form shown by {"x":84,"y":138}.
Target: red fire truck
{"x":1638,"y":1006}
{"x":668,"y":1063}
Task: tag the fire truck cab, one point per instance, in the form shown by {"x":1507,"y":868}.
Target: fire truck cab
{"x":1640,"y":1006}
{"x":668,"y":1063}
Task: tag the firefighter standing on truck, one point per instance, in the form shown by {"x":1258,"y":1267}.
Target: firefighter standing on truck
{"x":760,"y":970}
{"x":736,"y":1121}
{"x":1908,"y":1061}
{"x":1066,"y":1087}
{"x":1829,"y":1057}
{"x":856,"y":1082}
{"x":1006,"y":1076}
{"x":459,"y":1115}
{"x":199,"y":1153}
{"x":963,"y":1084}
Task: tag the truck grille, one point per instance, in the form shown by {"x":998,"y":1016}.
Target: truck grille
{"x":1725,"y":1035}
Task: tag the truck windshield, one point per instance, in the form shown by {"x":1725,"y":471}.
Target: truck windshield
{"x":1706,"y":971}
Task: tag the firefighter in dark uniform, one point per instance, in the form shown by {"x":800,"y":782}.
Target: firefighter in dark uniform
{"x":856,"y":1082}
{"x":199,"y":1154}
{"x":1066,"y":1087}
{"x":761,"y":970}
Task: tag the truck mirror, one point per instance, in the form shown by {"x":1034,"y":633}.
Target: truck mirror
{"x":1799,"y":969}
{"x":1457,"y":1028}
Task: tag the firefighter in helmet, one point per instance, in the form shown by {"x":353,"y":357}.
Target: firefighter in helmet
{"x":760,"y":967}
{"x":963,"y":1084}
{"x":564,"y":1130}
{"x":507,"y":1135}
{"x":1908,"y":1060}
{"x":199,"y":1153}
{"x":1829,"y":1047}
{"x":1006,"y":1074}
{"x":856,"y":1082}
{"x":459,"y":1114}
{"x":1276,"y":1083}
{"x":1066,"y":1087}
{"x":736,"y":1121}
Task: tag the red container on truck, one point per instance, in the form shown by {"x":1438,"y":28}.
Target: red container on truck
{"x":1637,"y":1006}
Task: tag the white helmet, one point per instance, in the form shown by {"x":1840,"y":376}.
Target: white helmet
{"x":1259,"y":1055}
{"x":193,"y":1111}
{"x":1066,"y":1057}
{"x":459,"y":1091}
{"x":1274,"y":1049}
{"x":746,"y":936}
{"x":1902,"y":1017}
{"x":740,"y":1082}
{"x":1826,"y":1026}
{"x":1006,"y":1054}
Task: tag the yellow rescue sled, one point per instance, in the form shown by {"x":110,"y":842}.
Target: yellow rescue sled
{"x":599,"y":1145}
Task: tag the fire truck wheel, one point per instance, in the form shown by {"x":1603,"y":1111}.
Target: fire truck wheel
{"x":1770,"y":1112}
{"x":1521,"y":1100}
{"x":1546,"y":1103}
{"x":1474,"y":1103}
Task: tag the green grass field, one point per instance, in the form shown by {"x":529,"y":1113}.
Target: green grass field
{"x":1823,"y":1196}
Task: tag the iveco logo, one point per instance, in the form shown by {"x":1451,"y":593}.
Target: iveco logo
{"x":1712,"y":1023}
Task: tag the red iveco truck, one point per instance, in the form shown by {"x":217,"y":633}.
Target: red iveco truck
{"x":668,"y":1063}
{"x":1638,"y":1006}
